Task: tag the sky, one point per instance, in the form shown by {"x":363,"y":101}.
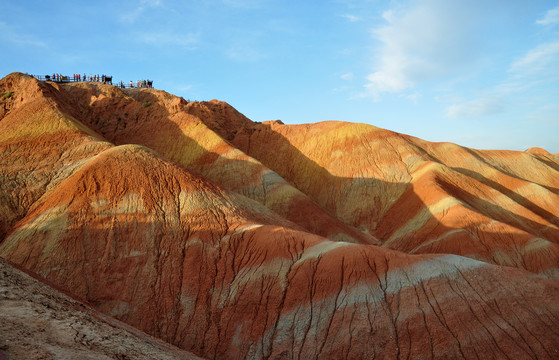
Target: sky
{"x":479,"y":73}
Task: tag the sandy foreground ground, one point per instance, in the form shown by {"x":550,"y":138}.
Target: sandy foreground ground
{"x":40,"y":322}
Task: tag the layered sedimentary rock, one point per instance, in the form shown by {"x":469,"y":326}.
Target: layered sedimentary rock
{"x":183,"y":133}
{"x":180,"y":220}
{"x":419,"y":197}
{"x":40,"y":145}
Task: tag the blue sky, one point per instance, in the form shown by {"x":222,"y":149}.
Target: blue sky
{"x":483,"y":74}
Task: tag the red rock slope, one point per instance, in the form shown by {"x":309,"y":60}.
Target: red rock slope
{"x":500,"y":207}
{"x":183,"y":133}
{"x":150,"y":242}
{"x":40,"y":145}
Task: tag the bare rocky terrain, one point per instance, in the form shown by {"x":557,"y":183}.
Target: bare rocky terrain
{"x":38,"y":322}
{"x":232,"y":239}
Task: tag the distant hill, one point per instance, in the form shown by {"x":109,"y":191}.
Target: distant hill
{"x":235,"y":239}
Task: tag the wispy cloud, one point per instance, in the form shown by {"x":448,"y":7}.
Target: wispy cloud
{"x":347,"y":76}
{"x":27,"y":40}
{"x":141,"y":7}
{"x":526,"y":75}
{"x":245,"y":4}
{"x":551,"y":18}
{"x":15,"y":37}
{"x":537,"y":59}
{"x":352,"y":18}
{"x":187,"y":41}
{"x":246,"y":46}
{"x":546,"y":114}
{"x":527,"y":81}
{"x":245,"y":53}
{"x":422,"y":41}
{"x":184,"y":88}
{"x":475,"y":108}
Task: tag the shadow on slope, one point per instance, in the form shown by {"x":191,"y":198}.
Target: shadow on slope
{"x":160,"y":122}
{"x":221,"y":291}
{"x":123,"y":120}
{"x":498,"y":213}
{"x":371,"y":209}
{"x":541,"y":159}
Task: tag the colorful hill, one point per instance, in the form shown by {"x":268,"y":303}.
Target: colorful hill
{"x":233,"y":239}
{"x":501,"y":207}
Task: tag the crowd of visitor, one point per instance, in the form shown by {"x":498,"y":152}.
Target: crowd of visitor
{"x":95,"y":78}
{"x":139,"y":84}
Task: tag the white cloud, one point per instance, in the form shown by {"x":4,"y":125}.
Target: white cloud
{"x":187,"y":41}
{"x":538,"y":66}
{"x":245,"y":4}
{"x":348,"y":76}
{"x":184,"y":88}
{"x":478,"y":107}
{"x":551,"y":18}
{"x":19,"y":38}
{"x":352,"y":18}
{"x":27,"y":40}
{"x":340,"y":89}
{"x":546,"y":114}
{"x":246,"y":46}
{"x":389,"y":16}
{"x":141,"y":7}
{"x":243,"y":52}
{"x":414,"y":97}
{"x":537,"y":59}
{"x":423,"y":41}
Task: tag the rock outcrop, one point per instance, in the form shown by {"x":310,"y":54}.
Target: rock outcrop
{"x":233,"y":239}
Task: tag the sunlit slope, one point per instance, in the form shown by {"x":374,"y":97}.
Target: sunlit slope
{"x":39,"y":145}
{"x":422,"y":197}
{"x":173,"y":128}
{"x":120,"y":212}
